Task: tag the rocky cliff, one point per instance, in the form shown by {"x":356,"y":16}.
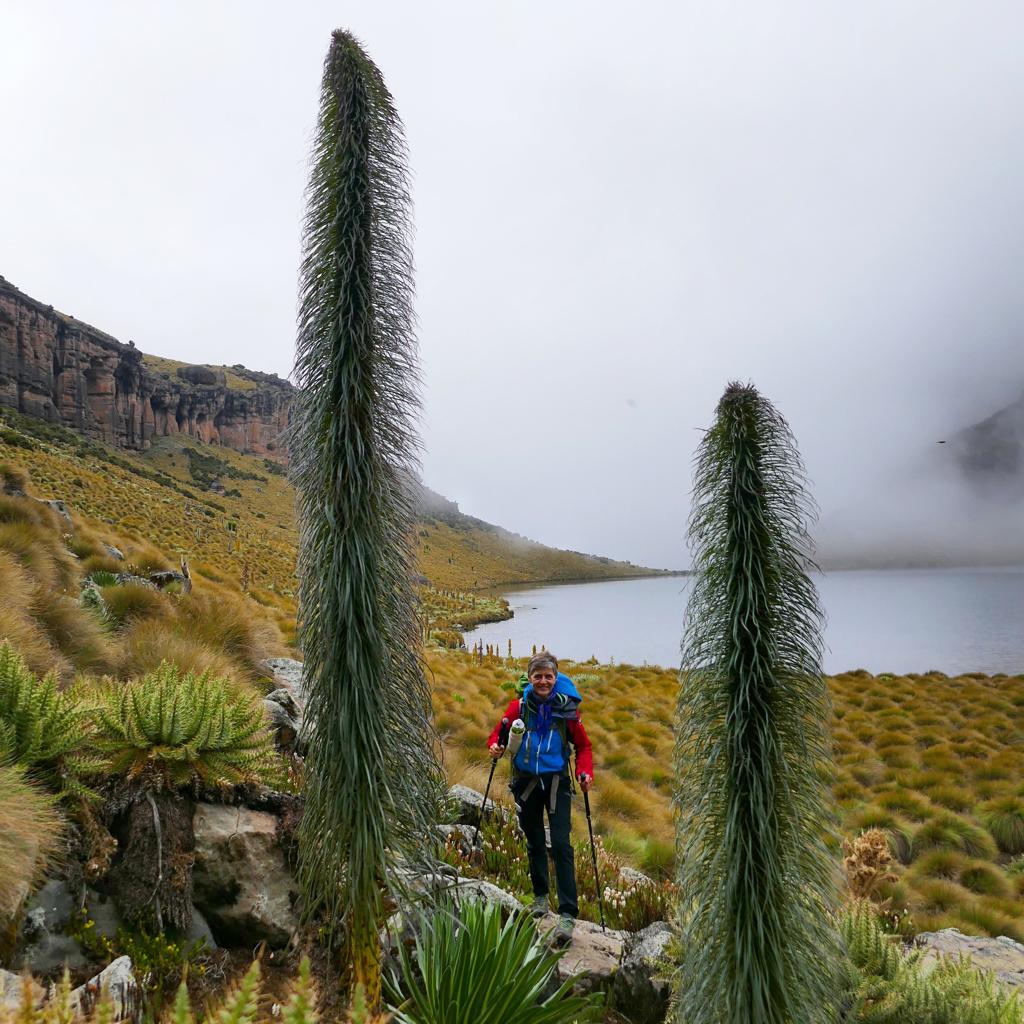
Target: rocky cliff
{"x":59,"y":369}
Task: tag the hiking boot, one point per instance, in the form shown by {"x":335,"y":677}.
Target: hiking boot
{"x":539,"y":906}
{"x":561,"y":935}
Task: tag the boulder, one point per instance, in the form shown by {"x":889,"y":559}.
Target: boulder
{"x":13,"y":985}
{"x":639,"y":990}
{"x":1003,"y":956}
{"x":467,"y":803}
{"x":241,"y":881}
{"x":117,"y":980}
{"x":44,"y":947}
{"x":284,"y":714}
{"x":593,"y":957}
{"x":114,"y":553}
{"x":631,"y":878}
{"x":460,"y":835}
{"x":58,"y":506}
{"x":287,"y":673}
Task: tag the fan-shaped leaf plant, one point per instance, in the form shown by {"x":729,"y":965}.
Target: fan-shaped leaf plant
{"x":756,"y":877}
{"x":373,"y":783}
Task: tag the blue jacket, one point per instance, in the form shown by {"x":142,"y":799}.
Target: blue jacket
{"x":545,"y":747}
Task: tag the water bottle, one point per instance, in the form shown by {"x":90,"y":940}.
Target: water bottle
{"x":515,"y":736}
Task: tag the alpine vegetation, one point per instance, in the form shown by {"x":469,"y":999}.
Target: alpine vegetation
{"x":755,"y":877}
{"x":374,"y":786}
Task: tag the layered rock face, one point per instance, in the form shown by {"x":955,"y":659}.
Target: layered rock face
{"x":56,"y":368}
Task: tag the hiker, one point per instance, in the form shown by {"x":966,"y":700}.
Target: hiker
{"x":540,"y":779}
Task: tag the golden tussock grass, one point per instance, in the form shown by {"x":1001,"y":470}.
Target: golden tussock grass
{"x":29,"y":829}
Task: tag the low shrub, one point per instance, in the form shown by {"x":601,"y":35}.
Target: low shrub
{"x":885,"y":985}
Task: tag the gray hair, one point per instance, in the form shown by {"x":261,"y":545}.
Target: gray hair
{"x":543,"y":660}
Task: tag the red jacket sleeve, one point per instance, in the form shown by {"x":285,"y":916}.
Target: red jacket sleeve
{"x":581,"y":741}
{"x":511,"y":713}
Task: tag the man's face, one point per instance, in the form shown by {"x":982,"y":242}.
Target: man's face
{"x":543,"y":680}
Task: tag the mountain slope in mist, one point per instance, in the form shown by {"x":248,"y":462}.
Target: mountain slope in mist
{"x":959,"y":504}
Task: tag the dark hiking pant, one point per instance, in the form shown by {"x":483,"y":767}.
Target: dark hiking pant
{"x":531,"y":820}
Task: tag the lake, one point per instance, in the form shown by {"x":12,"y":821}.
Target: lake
{"x":954,"y":620}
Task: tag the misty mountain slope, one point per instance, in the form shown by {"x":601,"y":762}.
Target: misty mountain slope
{"x":958,"y":503}
{"x":990,"y":454}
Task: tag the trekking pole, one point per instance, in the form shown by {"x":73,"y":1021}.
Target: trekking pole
{"x":593,"y":857}
{"x":502,"y":741}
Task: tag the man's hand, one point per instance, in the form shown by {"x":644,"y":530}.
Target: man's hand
{"x":496,"y":750}
{"x":585,"y":782}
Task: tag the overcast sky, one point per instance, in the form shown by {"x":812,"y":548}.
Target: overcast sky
{"x":618,"y":210}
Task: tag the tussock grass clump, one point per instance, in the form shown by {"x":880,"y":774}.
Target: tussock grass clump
{"x":148,"y":644}
{"x":129,"y":602}
{"x":1004,"y":818}
{"x":954,"y":832}
{"x":29,"y":829}
{"x":953,"y":798}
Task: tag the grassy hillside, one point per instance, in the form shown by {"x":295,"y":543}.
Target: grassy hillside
{"x":232,"y":516}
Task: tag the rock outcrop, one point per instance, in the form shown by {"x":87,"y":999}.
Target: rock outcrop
{"x":56,"y":368}
{"x":242,"y":883}
{"x":1003,"y":956}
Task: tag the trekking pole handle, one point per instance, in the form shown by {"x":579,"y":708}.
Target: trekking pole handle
{"x":497,"y":749}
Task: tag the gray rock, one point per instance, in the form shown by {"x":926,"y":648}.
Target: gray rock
{"x":241,"y":881}
{"x":115,"y":553}
{"x":117,"y":980}
{"x":287,"y":672}
{"x":1003,"y":956}
{"x":285,"y":716}
{"x":103,"y":913}
{"x":11,"y":988}
{"x":44,"y":948}
{"x":51,"y":908}
{"x":460,"y":834}
{"x":58,"y":506}
{"x":467,"y":803}
{"x":631,"y":878}
{"x":487,"y":892}
{"x":200,"y":929}
{"x":638,"y":989}
{"x":592,"y":959}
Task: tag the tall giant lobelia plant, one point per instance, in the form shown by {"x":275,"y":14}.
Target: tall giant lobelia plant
{"x":751,"y":744}
{"x":373,"y":783}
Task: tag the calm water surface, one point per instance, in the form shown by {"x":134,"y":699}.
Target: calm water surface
{"x":954,"y":620}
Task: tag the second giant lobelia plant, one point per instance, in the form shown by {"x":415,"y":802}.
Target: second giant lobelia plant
{"x":756,"y":879}
{"x":373,"y":785}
